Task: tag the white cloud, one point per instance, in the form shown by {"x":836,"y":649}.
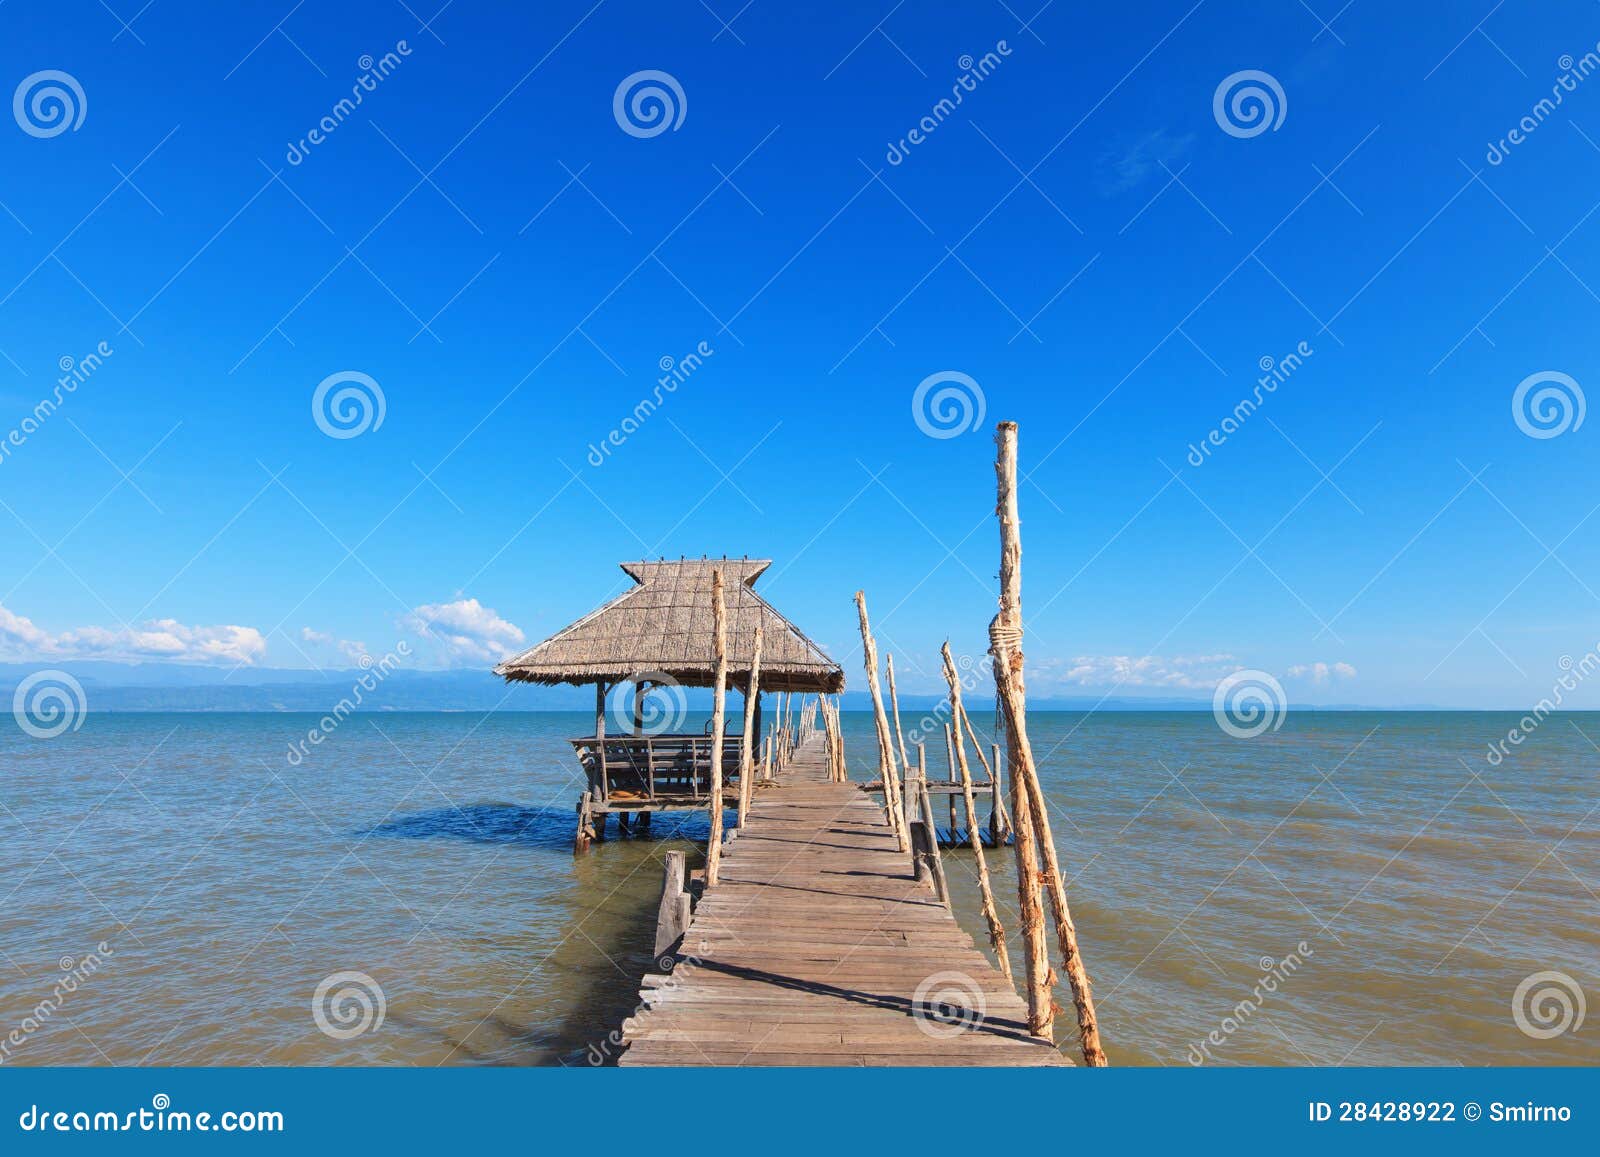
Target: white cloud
{"x":321,"y":638}
{"x":465,"y":630}
{"x":352,"y":650}
{"x":165,"y":639}
{"x":1188,"y":672}
{"x":1321,"y":673}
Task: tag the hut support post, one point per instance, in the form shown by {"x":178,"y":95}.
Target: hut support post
{"x":747,"y":768}
{"x":1005,"y":634}
{"x":718,"y":722}
{"x":585,"y":833}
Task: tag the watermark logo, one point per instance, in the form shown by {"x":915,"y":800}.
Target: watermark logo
{"x":48,"y":103}
{"x":648,"y":103}
{"x":1274,"y":373}
{"x":348,"y":1004}
{"x":947,"y":404}
{"x":348,"y":404}
{"x":1249,"y":703}
{"x":674,"y":373}
{"x":1275,"y":974}
{"x":1547,"y":404}
{"x":948,"y":1004}
{"x":973,"y":73}
{"x":49,"y":703}
{"x":373,"y":674}
{"x":75,"y":972}
{"x":373,"y":73}
{"x":1548,"y":1004}
{"x":1248,"y":103}
{"x":663,"y":707}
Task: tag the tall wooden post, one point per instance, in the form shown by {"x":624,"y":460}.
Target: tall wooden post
{"x":886,"y":762}
{"x":746,"y":763}
{"x":894,"y":707}
{"x":1005,"y":636}
{"x":1038,"y":975}
{"x":718,"y":722}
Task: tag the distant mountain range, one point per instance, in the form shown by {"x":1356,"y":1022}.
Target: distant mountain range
{"x":175,"y":687}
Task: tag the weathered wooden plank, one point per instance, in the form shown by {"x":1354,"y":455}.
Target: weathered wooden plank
{"x":818,"y":947}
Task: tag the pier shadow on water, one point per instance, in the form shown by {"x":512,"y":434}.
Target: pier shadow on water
{"x":483,"y":823}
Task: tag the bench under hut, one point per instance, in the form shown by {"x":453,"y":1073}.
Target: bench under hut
{"x":658,"y":638}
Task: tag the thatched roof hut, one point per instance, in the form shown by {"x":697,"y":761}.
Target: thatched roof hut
{"x":663,"y":628}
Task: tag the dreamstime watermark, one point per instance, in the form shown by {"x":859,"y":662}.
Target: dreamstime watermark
{"x":972,"y":675}
{"x":1249,"y":703}
{"x":1547,"y":404}
{"x":1248,"y":103}
{"x":74,"y":972}
{"x":674,"y":372}
{"x":1274,"y":372}
{"x":373,"y":73}
{"x":1573,"y":73}
{"x":662,"y":709}
{"x":676,"y":969}
{"x":74,"y":372}
{"x":1572,"y":674}
{"x":49,"y":703}
{"x":973,"y":73}
{"x":161,"y":1117}
{"x":375,"y":671}
{"x":1274,"y":974}
{"x":648,"y":103}
{"x":48,"y":103}
{"x":947,"y":1004}
{"x":348,"y":404}
{"x":348,"y":1004}
{"x":947,"y":404}
{"x":1548,"y":1004}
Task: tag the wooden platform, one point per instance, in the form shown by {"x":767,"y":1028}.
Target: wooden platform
{"x":818,"y":948}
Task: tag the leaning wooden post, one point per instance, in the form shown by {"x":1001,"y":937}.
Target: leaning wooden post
{"x":950,"y":740}
{"x":746,"y":762}
{"x":1005,"y":636}
{"x":991,"y":914}
{"x":886,"y":766}
{"x":997,"y":806}
{"x":718,"y":722}
{"x":894,"y":708}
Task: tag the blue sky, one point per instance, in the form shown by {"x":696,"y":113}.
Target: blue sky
{"x":1080,"y":237}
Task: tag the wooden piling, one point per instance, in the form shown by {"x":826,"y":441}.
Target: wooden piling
{"x":941,"y":886}
{"x":991,"y":913}
{"x":886,"y":761}
{"x":672,"y":914}
{"x":719,"y":617}
{"x":1005,"y":636}
{"x":746,"y":765}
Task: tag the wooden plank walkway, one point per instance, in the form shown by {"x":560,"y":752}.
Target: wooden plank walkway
{"x":818,"y":948}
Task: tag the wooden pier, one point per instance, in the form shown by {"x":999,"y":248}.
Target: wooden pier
{"x":818,"y":946}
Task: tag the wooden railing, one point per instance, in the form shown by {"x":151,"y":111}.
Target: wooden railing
{"x":629,"y":769}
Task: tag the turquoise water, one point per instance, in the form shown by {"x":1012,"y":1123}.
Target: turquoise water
{"x":1393,"y":885}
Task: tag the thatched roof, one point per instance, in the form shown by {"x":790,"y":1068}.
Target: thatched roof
{"x":663,"y":627}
